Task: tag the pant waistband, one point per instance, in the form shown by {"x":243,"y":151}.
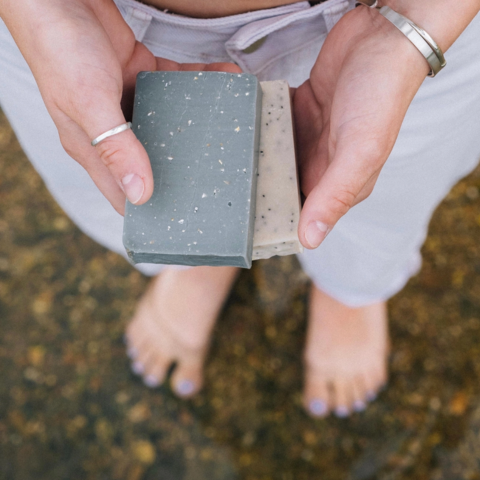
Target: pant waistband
{"x":248,"y":39}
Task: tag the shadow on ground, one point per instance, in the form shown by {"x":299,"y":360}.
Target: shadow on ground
{"x":70,"y":408}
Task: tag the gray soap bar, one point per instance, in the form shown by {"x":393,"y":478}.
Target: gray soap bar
{"x":201,"y":132}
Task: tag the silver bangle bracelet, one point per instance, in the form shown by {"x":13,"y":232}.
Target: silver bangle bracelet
{"x":424,"y":43}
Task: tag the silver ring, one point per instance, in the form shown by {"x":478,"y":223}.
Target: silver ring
{"x":112,"y":131}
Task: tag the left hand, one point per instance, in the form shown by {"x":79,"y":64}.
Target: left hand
{"x":348,"y":115}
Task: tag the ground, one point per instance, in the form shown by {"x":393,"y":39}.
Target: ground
{"x":71,"y":409}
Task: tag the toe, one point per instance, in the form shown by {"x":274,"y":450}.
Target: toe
{"x":187,"y":378}
{"x":358,"y":395}
{"x":371,"y":386}
{"x":342,"y":393}
{"x":316,"y":395}
{"x":156,"y":370}
{"x":141,"y":360}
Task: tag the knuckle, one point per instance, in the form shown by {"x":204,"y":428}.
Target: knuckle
{"x":69,"y":147}
{"x":341,"y":201}
{"x":109,"y":150}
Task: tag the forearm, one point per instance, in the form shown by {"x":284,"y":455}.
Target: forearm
{"x":444,"y":20}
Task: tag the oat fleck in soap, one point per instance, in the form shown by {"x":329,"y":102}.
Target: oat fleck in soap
{"x":201,"y":132}
{"x":278,"y":198}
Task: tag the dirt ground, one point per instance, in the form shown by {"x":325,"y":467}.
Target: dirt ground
{"x":71,"y":409}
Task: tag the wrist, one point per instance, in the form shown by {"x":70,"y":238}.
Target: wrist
{"x":444,"y":20}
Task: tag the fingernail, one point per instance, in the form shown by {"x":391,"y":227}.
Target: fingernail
{"x":137,"y":368}
{"x":151,"y":381}
{"x":371,"y":396}
{"x":318,"y":408}
{"x":342,"y":411}
{"x":315,"y":233}
{"x":133,"y":187}
{"x":185,"y":387}
{"x":359,"y":406}
{"x":132,"y":353}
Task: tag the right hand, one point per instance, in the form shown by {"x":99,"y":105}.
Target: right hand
{"x":85,"y":59}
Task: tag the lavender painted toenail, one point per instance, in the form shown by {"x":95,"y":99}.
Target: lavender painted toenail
{"x":185,"y":387}
{"x":342,"y":411}
{"x":151,"y":381}
{"x":137,"y":368}
{"x":359,"y":406}
{"x":371,"y":396}
{"x":132,"y":353}
{"x":318,"y":408}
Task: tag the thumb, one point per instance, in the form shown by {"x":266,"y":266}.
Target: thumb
{"x":348,"y":180}
{"x":122,"y":153}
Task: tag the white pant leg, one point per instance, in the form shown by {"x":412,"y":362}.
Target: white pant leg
{"x":374,"y":250}
{"x":66,"y":180}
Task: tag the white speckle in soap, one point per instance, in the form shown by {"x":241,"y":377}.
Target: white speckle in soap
{"x":143,"y":233}
{"x":199,"y":230}
{"x":195,"y":209}
{"x":204,"y":195}
{"x":189,"y":122}
{"x":194,"y":243}
{"x":221,"y":111}
{"x":188,"y":97}
{"x":195,"y":78}
{"x":247,"y":94}
{"x":139,"y":127}
{"x":152,"y":242}
{"x":168,"y":228}
{"x":237,"y":129}
{"x":171,"y":134}
{"x":222,"y":169}
{"x":181,"y":221}
{"x":220,"y":162}
{"x":200,"y":73}
{"x":226,"y":183}
{"x":170,"y":158}
{"x":150,"y":113}
{"x":162,"y":144}
{"x":183,"y":231}
{"x":236,"y":95}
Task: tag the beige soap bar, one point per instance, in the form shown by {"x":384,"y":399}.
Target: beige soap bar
{"x":278,"y":199}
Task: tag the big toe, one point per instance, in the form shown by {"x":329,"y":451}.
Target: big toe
{"x":187,"y":378}
{"x":316,"y":398}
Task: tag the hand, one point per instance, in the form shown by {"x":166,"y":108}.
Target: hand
{"x":348,"y":115}
{"x":85,"y":60}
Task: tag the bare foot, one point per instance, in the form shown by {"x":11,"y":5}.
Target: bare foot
{"x":345,"y":355}
{"x":173,"y":323}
